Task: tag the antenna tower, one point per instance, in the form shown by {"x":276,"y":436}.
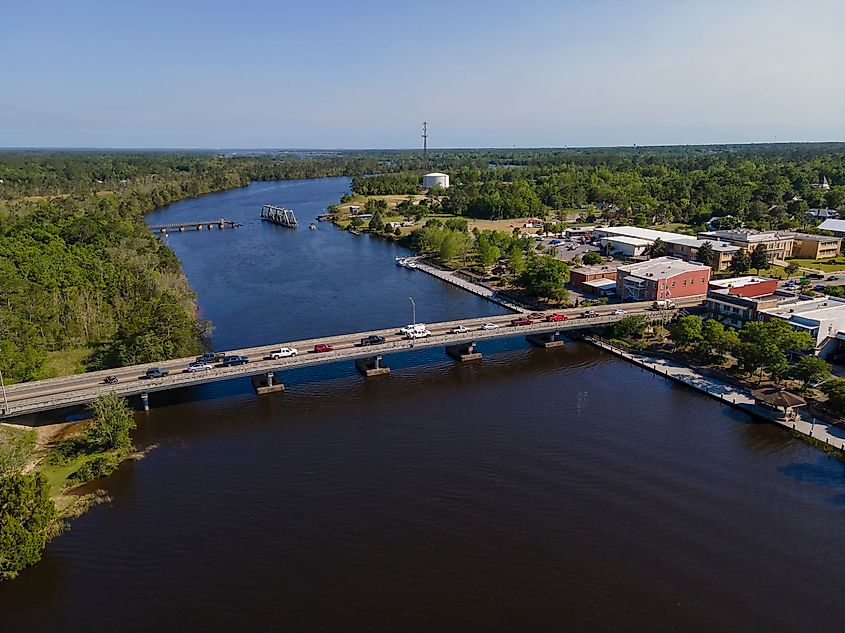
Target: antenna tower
{"x":425,"y":140}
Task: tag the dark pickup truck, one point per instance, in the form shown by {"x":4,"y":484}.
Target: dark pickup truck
{"x":373,"y":339}
{"x":155,"y":372}
{"x":237,"y":359}
{"x":211,"y":357}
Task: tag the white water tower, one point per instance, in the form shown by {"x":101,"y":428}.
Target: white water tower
{"x":436,"y":178}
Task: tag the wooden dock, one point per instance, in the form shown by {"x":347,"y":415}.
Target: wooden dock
{"x":195,"y":226}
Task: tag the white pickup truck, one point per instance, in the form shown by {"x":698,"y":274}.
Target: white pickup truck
{"x":285,"y":352}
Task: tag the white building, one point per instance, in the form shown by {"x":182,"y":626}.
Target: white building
{"x":436,"y":178}
{"x":633,"y":241}
{"x":837,"y":227}
{"x":823,"y":318}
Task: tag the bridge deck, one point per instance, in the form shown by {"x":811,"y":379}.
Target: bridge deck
{"x":45,"y":395}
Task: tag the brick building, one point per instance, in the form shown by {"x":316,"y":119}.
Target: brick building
{"x":662,"y":278}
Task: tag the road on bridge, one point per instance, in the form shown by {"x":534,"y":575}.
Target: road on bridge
{"x":79,"y":389}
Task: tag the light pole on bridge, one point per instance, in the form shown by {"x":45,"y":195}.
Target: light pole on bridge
{"x":3,"y":387}
{"x":413,"y":311}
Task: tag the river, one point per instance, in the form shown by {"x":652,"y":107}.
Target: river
{"x":532,"y":491}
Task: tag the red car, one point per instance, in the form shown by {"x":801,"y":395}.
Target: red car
{"x":521,"y":321}
{"x":323,"y":347}
{"x":556,"y":317}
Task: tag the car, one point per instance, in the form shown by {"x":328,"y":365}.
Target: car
{"x":833,"y":278}
{"x":155,"y":372}
{"x":589,"y":314}
{"x":194,"y":367}
{"x":461,"y":329}
{"x":372,"y":339}
{"x":417,"y":334}
{"x":815,"y":276}
{"x":412,"y":327}
{"x":521,"y":321}
{"x":110,"y":380}
{"x":234,"y":359}
{"x":285,"y":352}
{"x":618,"y":312}
{"x":488,"y":326}
{"x":555,"y":242}
{"x":211,"y":357}
{"x":556,"y":317}
{"x":819,"y":287}
{"x":322,"y":347}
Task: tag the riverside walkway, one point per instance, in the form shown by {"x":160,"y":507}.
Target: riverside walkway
{"x":451,"y":277}
{"x":458,"y":337}
{"x":733,"y":395}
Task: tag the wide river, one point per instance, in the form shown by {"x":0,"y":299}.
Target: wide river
{"x":532,"y":491}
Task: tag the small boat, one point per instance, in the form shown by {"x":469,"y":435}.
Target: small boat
{"x":312,"y":226}
{"x":400,"y":261}
{"x":410,"y":265}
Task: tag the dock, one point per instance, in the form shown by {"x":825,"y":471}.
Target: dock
{"x":195,"y":226}
{"x":737,"y":397}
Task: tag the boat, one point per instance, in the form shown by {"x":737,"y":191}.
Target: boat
{"x":312,"y":226}
{"x":400,"y":261}
{"x":278,"y":215}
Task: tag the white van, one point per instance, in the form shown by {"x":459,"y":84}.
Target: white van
{"x":663,"y":304}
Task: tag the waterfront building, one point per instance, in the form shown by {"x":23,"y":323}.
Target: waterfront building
{"x":738,"y":300}
{"x":662,"y":278}
{"x":436,"y":178}
{"x":583,"y":274}
{"x":823,"y":318}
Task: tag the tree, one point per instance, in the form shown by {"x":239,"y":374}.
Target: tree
{"x":26,"y":520}
{"x":759,"y":258}
{"x":113,"y":419}
{"x":706,"y":255}
{"x":810,"y":369}
{"x":740,"y":262}
{"x":631,"y":326}
{"x":516,"y":260}
{"x":592,"y":258}
{"x":544,"y":276}
{"x":834,"y":389}
{"x":765,"y":346}
{"x":686,"y":331}
{"x":15,"y":448}
{"x":397,"y":231}
{"x":791,"y":269}
{"x":716,"y":340}
{"x":657,"y":249}
{"x":377,"y":222}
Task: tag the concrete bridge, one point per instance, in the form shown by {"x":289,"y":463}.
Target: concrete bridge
{"x":198,"y":226}
{"x":45,"y":395}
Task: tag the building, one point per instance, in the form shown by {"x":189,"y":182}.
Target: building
{"x":837,"y":227}
{"x":735,"y":301}
{"x":601,"y":287}
{"x":822,"y":184}
{"x":436,"y":178}
{"x":816,"y":246}
{"x":578,"y":232}
{"x":822,"y":214}
{"x":662,"y":278}
{"x":779,"y":244}
{"x":823,"y":318}
{"x":584,"y":274}
{"x":633,"y":241}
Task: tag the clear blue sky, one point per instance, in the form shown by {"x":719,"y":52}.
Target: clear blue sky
{"x":331,"y":74}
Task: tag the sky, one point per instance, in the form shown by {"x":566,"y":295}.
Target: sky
{"x":332,"y":74}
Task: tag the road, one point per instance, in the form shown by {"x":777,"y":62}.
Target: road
{"x":44,"y":395}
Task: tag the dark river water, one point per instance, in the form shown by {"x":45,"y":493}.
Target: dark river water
{"x":532,"y":491}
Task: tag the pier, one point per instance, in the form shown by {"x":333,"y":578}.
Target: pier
{"x":195,"y":226}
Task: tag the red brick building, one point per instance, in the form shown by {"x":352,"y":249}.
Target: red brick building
{"x":745,"y":286}
{"x":662,"y":278}
{"x":579,"y":276}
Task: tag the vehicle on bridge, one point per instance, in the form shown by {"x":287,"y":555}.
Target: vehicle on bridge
{"x":488,"y":326}
{"x":618,"y":312}
{"x":521,"y":321}
{"x":195,"y":367}
{"x":211,"y":357}
{"x":322,"y":347}
{"x":110,"y":380}
{"x":285,"y":352}
{"x":416,"y":327}
{"x":372,"y":339}
{"x":235,"y":359}
{"x":418,"y":334}
{"x":155,"y":372}
{"x":461,"y":329}
{"x":663,"y":304}
{"x":589,"y":314}
{"x":556,"y":317}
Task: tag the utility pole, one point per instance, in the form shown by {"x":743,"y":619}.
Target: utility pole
{"x":3,"y":387}
{"x":413,"y":311}
{"x":425,"y":141}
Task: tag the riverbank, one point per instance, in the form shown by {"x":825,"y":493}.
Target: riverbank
{"x":828,"y":435}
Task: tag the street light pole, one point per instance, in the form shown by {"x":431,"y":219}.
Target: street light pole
{"x":3,"y":387}
{"x":413,"y":311}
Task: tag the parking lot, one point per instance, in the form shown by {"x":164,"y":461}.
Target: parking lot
{"x":565,"y":250}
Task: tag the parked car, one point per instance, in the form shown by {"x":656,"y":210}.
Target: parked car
{"x":155,"y":372}
{"x":235,"y":359}
{"x":819,"y":287}
{"x":322,"y":347}
{"x":557,"y":317}
{"x":461,"y":329}
{"x":417,"y":334}
{"x":618,"y":312}
{"x":285,"y":352}
{"x":833,"y":278}
{"x":815,"y":276}
{"x":110,"y":380}
{"x":488,"y":326}
{"x":211,"y":357}
{"x":554,"y":242}
{"x":195,"y":367}
{"x":372,"y":339}
{"x":521,"y":321}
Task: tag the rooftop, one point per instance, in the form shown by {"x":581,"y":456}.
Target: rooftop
{"x":650,"y":235}
{"x":743,"y":235}
{"x":817,"y":309}
{"x":663,"y":267}
{"x":833,"y":225}
{"x":601,"y":284}
{"x":598,"y":269}
{"x":738,"y":282}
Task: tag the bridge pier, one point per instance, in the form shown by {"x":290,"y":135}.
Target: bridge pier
{"x":145,"y":401}
{"x":463,"y":352}
{"x":266,"y":384}
{"x":371,"y":366}
{"x":547,"y":340}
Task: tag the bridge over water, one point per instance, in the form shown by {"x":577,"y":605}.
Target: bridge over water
{"x":45,"y":395}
